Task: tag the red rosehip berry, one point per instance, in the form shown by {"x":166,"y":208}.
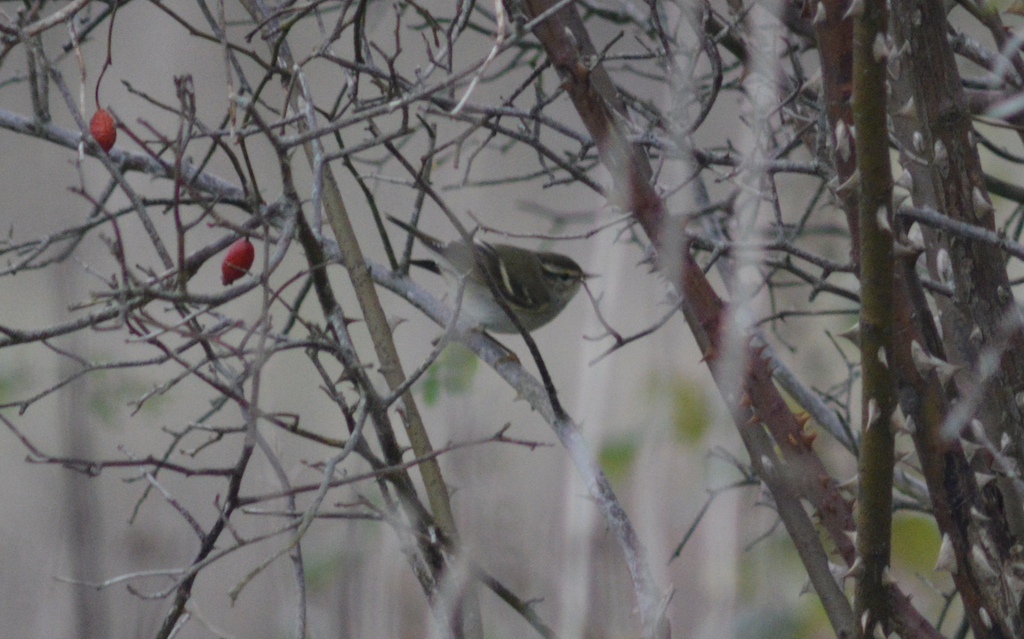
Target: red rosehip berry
{"x":102,"y":129}
{"x":237,"y":261}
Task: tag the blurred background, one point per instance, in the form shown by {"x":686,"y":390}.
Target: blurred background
{"x":648,"y":410}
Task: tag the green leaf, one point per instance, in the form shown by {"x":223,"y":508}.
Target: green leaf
{"x":321,"y":571}
{"x":915,"y":541}
{"x":452,"y":373}
{"x":617,"y":457}
{"x":9,"y":383}
{"x":688,"y":406}
{"x":458,"y":366}
{"x":431,"y":386}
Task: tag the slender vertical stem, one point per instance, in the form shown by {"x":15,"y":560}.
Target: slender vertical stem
{"x":875,"y":465}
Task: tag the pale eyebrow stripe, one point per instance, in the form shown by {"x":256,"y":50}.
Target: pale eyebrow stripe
{"x":505,"y":278}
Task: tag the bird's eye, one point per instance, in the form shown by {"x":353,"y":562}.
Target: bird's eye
{"x":563,"y":276}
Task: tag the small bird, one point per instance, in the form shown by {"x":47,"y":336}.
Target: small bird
{"x":535,"y":285}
